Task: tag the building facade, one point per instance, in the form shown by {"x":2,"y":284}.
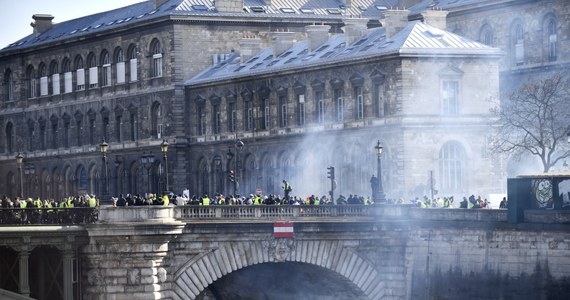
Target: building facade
{"x":326,"y":101}
{"x":114,"y":77}
{"x":119,"y":76}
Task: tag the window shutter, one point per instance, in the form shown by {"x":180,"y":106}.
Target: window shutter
{"x":43,"y":86}
{"x":55,"y":83}
{"x":121,"y":72}
{"x":93,"y":80}
{"x":80,"y":79}
{"x":68,"y":82}
{"x":134,"y":70}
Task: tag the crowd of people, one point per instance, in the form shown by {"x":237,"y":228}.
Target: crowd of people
{"x":220,"y":199}
{"x":48,"y":211}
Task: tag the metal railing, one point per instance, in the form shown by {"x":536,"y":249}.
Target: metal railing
{"x":48,"y":216}
{"x":234,"y":212}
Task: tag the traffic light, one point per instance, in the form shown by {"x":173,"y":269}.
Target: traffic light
{"x":231,"y":176}
{"x":330,"y":173}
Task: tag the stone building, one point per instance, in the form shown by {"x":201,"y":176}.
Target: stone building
{"x":300,"y":107}
{"x":119,"y":76}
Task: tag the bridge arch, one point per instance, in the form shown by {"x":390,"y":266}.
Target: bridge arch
{"x":203,"y":269}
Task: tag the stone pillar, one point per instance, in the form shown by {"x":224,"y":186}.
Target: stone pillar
{"x":68,"y":256}
{"x":127,"y":251}
{"x":24,"y":284}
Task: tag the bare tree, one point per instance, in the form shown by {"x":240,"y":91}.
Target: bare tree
{"x":535,"y":119}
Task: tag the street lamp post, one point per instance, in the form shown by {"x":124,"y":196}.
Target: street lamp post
{"x":238,"y":145}
{"x":164,"y":148}
{"x":20,"y":161}
{"x":379,"y":195}
{"x":147,"y":161}
{"x":104,"y":147}
{"x":233,"y":174}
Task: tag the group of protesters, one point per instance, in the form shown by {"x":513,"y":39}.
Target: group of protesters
{"x":48,"y":211}
{"x":471,"y":202}
{"x":221,"y":199}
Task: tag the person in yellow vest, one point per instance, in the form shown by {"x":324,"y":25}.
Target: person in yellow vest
{"x":70,"y":202}
{"x":38,"y":203}
{"x":205,"y":200}
{"x":256,"y":200}
{"x":93,"y":201}
{"x":317,"y":201}
{"x":165,"y":200}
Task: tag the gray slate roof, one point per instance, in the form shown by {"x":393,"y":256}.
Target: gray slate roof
{"x":445,"y":4}
{"x":417,"y":38}
{"x":144,"y":11}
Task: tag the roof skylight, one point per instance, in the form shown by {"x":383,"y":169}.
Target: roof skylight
{"x":287,"y":10}
{"x":333,"y":11}
{"x":307,"y":10}
{"x":199,"y":7}
{"x":257,"y":9}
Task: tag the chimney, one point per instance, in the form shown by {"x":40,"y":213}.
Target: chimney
{"x":317,"y":34}
{"x":158,"y":3}
{"x":347,"y":3}
{"x":281,"y":42}
{"x":226,"y":6}
{"x":42,"y":23}
{"x":354,"y":29}
{"x":248,"y":47}
{"x":435,"y":18}
{"x":395,"y":21}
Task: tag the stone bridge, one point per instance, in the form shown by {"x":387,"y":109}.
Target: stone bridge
{"x":334,"y":252}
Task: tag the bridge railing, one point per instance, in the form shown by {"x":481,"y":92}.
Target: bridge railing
{"x":236,"y":212}
{"x":48,"y":216}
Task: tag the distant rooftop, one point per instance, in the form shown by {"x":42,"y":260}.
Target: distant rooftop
{"x":145,"y":11}
{"x":416,"y":38}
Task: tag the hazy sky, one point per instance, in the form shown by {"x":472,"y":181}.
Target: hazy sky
{"x":16,"y":15}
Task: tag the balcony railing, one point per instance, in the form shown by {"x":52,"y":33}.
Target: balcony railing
{"x":48,"y":216}
{"x":270,"y":212}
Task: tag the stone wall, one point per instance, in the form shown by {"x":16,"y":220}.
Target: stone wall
{"x":399,"y":252}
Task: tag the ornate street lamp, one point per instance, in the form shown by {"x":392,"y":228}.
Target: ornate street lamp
{"x":104,"y":147}
{"x":379,"y":195}
{"x":164,"y":148}
{"x":20,"y":161}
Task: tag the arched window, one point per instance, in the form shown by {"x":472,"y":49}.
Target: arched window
{"x":451,"y":163}
{"x":156,"y":65}
{"x":133,"y":123}
{"x":54,"y":132}
{"x":486,"y":35}
{"x":133,"y":70}
{"x":67,"y":76}
{"x":518,"y":43}
{"x":8,"y":85}
{"x":43,"y":80}
{"x":93,"y":71}
{"x":155,"y":116}
{"x":106,"y":66}
{"x":54,"y":72}
{"x":80,"y":73}
{"x":31,"y":78}
{"x":9,"y":137}
{"x":120,"y":65}
{"x":552,"y":38}
{"x":42,"y":137}
{"x":31,"y":134}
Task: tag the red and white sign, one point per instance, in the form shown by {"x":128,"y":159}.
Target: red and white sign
{"x":283,"y":230}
